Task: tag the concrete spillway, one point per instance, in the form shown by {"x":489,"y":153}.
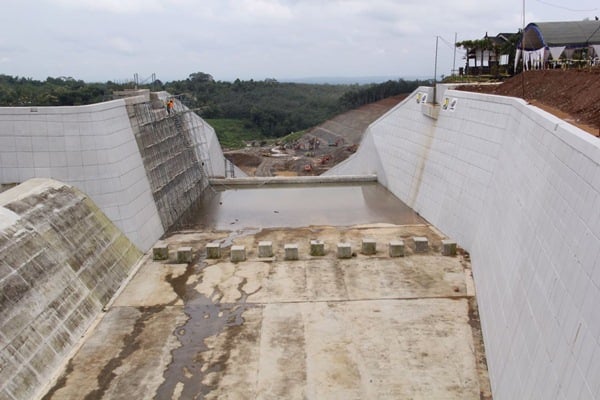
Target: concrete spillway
{"x":520,"y":189}
{"x":62,"y":261}
{"x":516,"y":187}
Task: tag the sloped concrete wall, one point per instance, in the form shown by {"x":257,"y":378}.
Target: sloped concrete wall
{"x":61,"y":261}
{"x":173,"y":169}
{"x":142,"y":179}
{"x":205,"y":141}
{"x":520,"y":190}
{"x":90,"y":147}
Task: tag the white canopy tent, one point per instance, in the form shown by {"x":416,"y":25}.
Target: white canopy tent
{"x":542,"y":40}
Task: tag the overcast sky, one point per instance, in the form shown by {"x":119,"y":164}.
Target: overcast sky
{"x":100,"y":40}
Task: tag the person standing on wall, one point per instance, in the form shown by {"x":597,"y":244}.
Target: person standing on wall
{"x":170,"y":105}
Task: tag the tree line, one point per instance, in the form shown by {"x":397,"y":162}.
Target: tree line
{"x":271,"y":107}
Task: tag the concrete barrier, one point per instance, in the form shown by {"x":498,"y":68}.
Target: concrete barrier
{"x":160,"y":251}
{"x":185,"y":255}
{"x":421,"y":244}
{"x":238,"y":253}
{"x":520,"y":190}
{"x":448,"y":247}
{"x":396,"y":248}
{"x":213,"y":250}
{"x":344,"y":250}
{"x":368,"y":246}
{"x":317,"y":248}
{"x":291,"y":251}
{"x":265,"y":248}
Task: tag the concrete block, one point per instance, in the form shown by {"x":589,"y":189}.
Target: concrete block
{"x":160,"y":252}
{"x":291,"y":251}
{"x":369,"y":246}
{"x":344,"y":250}
{"x":238,"y":253}
{"x":213,"y":250}
{"x":448,"y":247}
{"x":184,"y":254}
{"x":421,"y":244}
{"x":317,"y":248}
{"x":265,"y":249}
{"x":396,"y":248}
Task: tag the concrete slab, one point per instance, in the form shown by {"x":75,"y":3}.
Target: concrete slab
{"x":293,"y":329}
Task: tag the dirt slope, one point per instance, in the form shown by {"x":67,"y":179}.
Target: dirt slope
{"x":318,"y":150}
{"x":573,"y":94}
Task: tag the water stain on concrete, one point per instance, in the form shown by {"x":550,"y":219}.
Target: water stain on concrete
{"x":318,"y":327}
{"x":186,"y":375}
{"x":130,"y":346}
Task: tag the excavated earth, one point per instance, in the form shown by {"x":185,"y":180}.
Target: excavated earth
{"x":572,"y":94}
{"x":337,"y":139}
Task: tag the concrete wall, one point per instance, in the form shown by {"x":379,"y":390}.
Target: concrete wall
{"x":90,"y":147}
{"x":205,"y":142}
{"x":141,"y":168}
{"x":61,"y":262}
{"x":168,"y":152}
{"x":520,"y":190}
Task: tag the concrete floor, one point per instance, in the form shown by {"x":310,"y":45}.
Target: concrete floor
{"x":369,"y":327}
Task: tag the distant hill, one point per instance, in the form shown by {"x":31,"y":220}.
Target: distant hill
{"x":338,"y":138}
{"x":350,"y":80}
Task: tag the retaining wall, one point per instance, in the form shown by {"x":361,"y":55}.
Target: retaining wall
{"x":520,"y":190}
{"x":61,"y":261}
{"x":90,"y":147}
{"x":143,"y":173}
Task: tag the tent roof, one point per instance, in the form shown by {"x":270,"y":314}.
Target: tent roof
{"x":568,"y":33}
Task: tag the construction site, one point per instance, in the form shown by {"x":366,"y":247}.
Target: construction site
{"x":446,"y":248}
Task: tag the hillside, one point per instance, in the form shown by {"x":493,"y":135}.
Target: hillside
{"x":318,"y":149}
{"x":573,"y":95}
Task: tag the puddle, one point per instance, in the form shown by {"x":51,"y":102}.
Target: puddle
{"x":296,"y":205}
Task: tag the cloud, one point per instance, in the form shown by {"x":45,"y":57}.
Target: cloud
{"x":104,"y":39}
{"x":121,"y":45}
{"x":112,"y":6}
{"x":265,"y":9}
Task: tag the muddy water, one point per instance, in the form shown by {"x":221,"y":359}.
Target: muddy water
{"x":298,"y":205}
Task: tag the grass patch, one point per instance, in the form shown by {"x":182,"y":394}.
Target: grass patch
{"x":292,"y":137}
{"x":232,"y":133}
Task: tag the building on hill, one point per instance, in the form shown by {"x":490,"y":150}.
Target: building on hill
{"x":490,"y":55}
{"x":559,"y":44}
